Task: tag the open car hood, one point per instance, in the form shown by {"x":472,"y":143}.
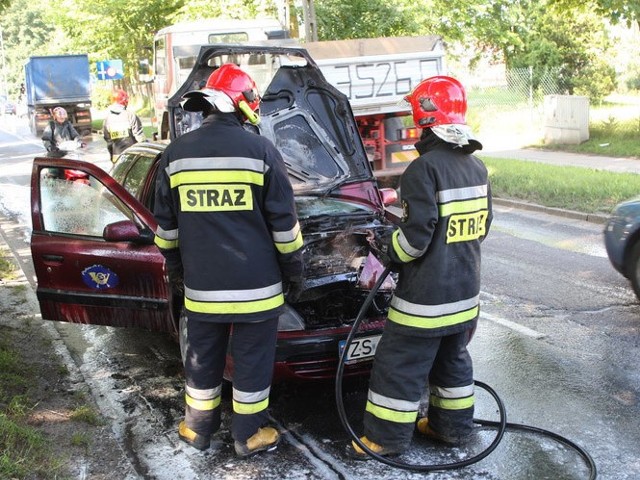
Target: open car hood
{"x":310,"y":121}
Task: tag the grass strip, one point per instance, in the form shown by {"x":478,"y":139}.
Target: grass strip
{"x":573,"y":188}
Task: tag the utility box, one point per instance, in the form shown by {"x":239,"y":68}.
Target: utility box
{"x":566,"y":119}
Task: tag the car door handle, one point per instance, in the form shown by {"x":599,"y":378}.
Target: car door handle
{"x":53,"y":258}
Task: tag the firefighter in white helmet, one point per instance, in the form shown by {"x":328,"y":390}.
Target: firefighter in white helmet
{"x":446,"y":202}
{"x":227,"y":225}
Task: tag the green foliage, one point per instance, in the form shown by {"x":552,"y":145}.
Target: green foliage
{"x":362,"y":19}
{"x":25,"y":32}
{"x":233,"y":9}
{"x":118,"y":29}
{"x":7,"y":268}
{"x":575,"y":44}
{"x":23,"y":450}
{"x":86,"y":414}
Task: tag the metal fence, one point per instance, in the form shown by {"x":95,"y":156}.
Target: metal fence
{"x":510,"y":110}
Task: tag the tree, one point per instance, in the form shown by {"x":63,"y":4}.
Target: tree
{"x":118,"y":29}
{"x":25,"y":32}
{"x":618,"y":11}
{"x":362,"y":19}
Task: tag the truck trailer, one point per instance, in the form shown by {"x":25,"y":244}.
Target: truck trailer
{"x":376,"y":74}
{"x":58,"y":81}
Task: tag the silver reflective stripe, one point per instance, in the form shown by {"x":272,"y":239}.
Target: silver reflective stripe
{"x":288,"y":236}
{"x":215,"y":163}
{"x":409,"y":250}
{"x":233,"y":295}
{"x":393,"y":403}
{"x":466,"y":193}
{"x":452,"y":392}
{"x":208,"y":394}
{"x":167,"y":234}
{"x":250,"y":397}
{"x":434,"y":310}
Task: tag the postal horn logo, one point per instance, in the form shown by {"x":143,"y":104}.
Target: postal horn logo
{"x":99,"y":277}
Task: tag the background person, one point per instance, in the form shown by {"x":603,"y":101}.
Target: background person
{"x":58,"y":131}
{"x":446,"y":203}
{"x":227,"y":224}
{"x":121,"y":128}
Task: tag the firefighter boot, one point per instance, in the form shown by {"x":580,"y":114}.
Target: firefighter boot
{"x":354,"y":451}
{"x":194,"y":439}
{"x":422,"y":425}
{"x":264,"y":440}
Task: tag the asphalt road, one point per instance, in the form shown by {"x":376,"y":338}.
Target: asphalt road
{"x":558,"y":339}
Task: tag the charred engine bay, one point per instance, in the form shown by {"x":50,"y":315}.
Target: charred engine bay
{"x":334,"y":253}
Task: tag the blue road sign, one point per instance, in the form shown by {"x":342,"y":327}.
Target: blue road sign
{"x":110,"y":70}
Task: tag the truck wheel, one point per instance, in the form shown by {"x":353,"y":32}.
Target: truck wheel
{"x":633,"y":268}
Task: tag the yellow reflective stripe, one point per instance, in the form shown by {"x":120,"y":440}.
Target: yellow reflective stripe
{"x":165,"y":244}
{"x":202,"y":405}
{"x":432,"y":322}
{"x":451,"y":403}
{"x":289,"y":247}
{"x":249,"y":408}
{"x":254,"y":306}
{"x":464,"y":206}
{"x":391,"y":415}
{"x":212,"y":176}
{"x":402,"y":255}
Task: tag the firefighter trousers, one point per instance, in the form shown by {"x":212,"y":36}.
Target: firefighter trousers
{"x":402,"y":368}
{"x":252,"y":347}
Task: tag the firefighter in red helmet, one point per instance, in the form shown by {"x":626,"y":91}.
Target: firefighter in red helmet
{"x":446,"y":202}
{"x":228,"y":229}
{"x":122,"y":128}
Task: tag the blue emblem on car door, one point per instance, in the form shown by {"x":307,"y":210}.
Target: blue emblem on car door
{"x":99,"y":277}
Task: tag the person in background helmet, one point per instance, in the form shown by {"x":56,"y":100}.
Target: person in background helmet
{"x":447,"y":212}
{"x":228,"y":229}
{"x":59,"y":130}
{"x":121,"y":128}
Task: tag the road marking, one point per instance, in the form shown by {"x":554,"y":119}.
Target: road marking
{"x":513,"y":325}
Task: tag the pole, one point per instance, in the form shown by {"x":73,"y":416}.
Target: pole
{"x":310,"y":25}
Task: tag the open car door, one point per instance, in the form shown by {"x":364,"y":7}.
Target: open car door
{"x":93,"y":252}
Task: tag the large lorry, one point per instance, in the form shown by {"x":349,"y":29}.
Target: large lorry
{"x":58,"y":81}
{"x":374,"y":73}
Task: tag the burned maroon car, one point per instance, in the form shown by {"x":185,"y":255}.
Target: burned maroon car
{"x":92,"y":241}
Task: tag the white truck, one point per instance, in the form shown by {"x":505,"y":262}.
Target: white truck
{"x":374,"y":73}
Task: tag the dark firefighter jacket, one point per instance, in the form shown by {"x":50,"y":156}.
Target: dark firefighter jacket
{"x":226,"y":215}
{"x":447,"y":212}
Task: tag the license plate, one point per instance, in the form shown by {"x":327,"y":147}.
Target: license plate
{"x":361,"y":348}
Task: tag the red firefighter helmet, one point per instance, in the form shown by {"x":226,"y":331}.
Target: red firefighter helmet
{"x":229,"y":89}
{"x":438,"y":100}
{"x":121,"y":97}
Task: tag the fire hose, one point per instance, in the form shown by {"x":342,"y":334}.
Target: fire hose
{"x":502,"y":425}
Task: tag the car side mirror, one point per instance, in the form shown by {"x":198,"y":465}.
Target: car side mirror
{"x":127,"y":231}
{"x":389,"y":196}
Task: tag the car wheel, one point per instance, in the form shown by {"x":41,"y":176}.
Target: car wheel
{"x":183,"y":335}
{"x":633,"y":268}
